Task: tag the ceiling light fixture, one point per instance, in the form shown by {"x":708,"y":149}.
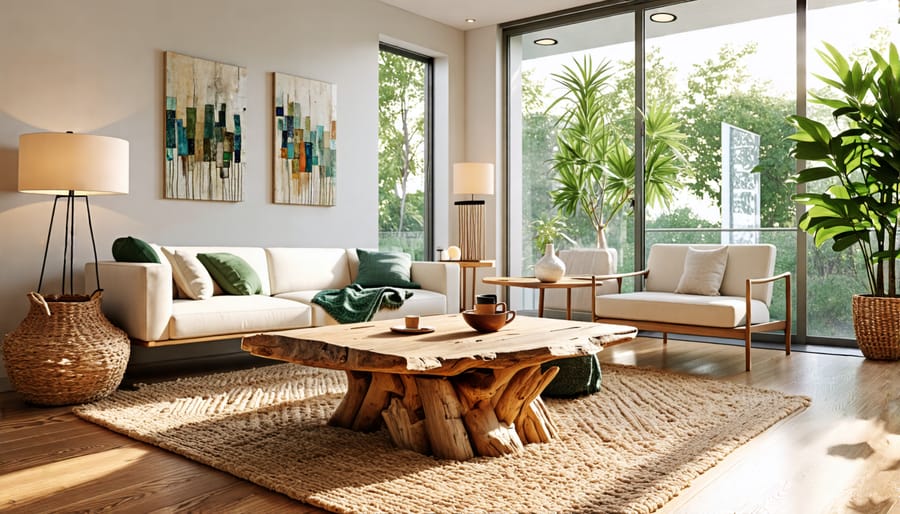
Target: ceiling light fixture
{"x":663,"y":17}
{"x":471,"y":20}
{"x":545,"y":41}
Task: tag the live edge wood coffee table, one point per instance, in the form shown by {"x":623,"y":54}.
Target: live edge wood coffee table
{"x":454,"y":393}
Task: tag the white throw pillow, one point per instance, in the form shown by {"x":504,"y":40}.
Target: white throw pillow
{"x":190,"y":275}
{"x":703,"y":271}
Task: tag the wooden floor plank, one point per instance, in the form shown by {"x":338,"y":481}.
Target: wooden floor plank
{"x":842,"y":454}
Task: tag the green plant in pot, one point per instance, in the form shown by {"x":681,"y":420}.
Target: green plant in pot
{"x":549,"y":230}
{"x":860,"y":165}
{"x":594,"y":165}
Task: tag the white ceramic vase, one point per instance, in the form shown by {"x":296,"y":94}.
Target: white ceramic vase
{"x":549,"y":268}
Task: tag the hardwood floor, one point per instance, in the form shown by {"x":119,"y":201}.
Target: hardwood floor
{"x":842,"y":454}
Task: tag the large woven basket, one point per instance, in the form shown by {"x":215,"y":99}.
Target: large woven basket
{"x":65,"y":351}
{"x":876,"y":320}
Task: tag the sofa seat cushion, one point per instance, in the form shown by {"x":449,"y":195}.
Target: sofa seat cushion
{"x":687,"y":309}
{"x":422,"y":302}
{"x":229,"y":314}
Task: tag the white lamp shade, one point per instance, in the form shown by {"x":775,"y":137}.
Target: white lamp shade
{"x":55,"y":163}
{"x":473,"y":178}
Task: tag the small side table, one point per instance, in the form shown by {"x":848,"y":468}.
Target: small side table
{"x":567,"y":282}
{"x":464,"y":266}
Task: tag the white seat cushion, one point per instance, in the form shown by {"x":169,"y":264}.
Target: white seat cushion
{"x":687,"y":309}
{"x":229,"y":314}
{"x":422,"y":302}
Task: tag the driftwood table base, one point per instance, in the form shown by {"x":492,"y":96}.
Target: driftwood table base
{"x":480,"y":412}
{"x":455,"y":394}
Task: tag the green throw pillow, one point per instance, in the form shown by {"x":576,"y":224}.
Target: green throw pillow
{"x":384,"y":269}
{"x":232,"y":273}
{"x":132,"y":249}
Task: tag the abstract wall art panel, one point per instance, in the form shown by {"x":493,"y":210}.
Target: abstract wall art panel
{"x":205,"y":146}
{"x":305,"y":141}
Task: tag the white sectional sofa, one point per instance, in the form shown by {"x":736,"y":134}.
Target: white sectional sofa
{"x":734,"y":305}
{"x":140,"y":297}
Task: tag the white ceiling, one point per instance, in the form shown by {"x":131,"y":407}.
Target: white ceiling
{"x":485,"y":12}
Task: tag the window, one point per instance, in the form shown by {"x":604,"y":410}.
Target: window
{"x":404,"y":152}
{"x":696,"y":107}
{"x":851,"y":27}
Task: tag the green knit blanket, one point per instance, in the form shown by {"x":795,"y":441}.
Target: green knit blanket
{"x":356,"y":303}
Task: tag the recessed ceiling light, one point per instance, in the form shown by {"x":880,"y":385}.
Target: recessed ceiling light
{"x":663,"y":17}
{"x":471,"y":20}
{"x":545,"y":41}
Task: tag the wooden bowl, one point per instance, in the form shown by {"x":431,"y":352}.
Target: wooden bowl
{"x":488,"y":322}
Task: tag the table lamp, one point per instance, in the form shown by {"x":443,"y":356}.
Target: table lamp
{"x":72,"y":166}
{"x":472,"y":178}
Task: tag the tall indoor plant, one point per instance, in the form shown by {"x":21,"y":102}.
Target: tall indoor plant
{"x":860,"y":165}
{"x":594,"y":164}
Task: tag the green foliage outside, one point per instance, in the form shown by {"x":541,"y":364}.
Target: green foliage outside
{"x":401,"y":157}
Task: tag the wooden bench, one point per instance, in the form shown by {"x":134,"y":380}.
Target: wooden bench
{"x":746,"y":288}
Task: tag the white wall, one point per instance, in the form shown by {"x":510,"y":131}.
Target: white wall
{"x":96,"y":66}
{"x":483,"y":136}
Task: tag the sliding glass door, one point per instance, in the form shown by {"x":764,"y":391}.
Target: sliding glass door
{"x":693,"y":98}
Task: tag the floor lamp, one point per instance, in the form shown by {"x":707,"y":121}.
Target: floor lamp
{"x":71,"y":166}
{"x":472,"y":178}
{"x":65,"y":351}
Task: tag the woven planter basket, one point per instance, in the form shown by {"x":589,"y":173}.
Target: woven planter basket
{"x":65,"y":351}
{"x":877,"y":324}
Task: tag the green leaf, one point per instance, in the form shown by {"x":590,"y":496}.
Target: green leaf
{"x":816,"y":173}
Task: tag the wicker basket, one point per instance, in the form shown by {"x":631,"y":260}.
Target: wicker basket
{"x":65,"y":351}
{"x":876,"y":320}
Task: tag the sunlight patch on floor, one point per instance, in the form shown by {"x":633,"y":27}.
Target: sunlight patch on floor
{"x":33,"y":483}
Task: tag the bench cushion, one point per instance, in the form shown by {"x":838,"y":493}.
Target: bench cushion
{"x":229,"y":314}
{"x":686,"y":309}
{"x":666,"y":264}
{"x":422,"y":302}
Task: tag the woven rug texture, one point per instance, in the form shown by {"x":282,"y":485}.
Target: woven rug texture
{"x":629,"y":448}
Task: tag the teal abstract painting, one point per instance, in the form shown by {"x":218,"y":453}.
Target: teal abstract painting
{"x":305,"y":141}
{"x":205,"y":149}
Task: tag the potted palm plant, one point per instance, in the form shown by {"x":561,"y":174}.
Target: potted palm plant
{"x":594,"y":164}
{"x":860,"y":167}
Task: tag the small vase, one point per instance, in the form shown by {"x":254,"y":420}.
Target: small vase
{"x":549,"y":268}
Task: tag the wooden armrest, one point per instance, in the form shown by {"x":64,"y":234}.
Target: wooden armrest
{"x":620,"y":276}
{"x":785,"y":275}
{"x":787,"y":306}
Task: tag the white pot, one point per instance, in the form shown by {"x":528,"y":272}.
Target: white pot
{"x":549,"y":268}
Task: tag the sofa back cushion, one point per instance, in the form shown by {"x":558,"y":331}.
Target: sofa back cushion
{"x":749,"y":261}
{"x":254,"y":256}
{"x":305,"y":269}
{"x":666,"y":264}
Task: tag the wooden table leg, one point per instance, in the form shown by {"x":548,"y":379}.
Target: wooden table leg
{"x":462,"y":281}
{"x":541,"y":302}
{"x":568,"y":303}
{"x":474,"y":276}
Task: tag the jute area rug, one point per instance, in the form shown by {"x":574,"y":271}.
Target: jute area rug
{"x":630,"y":448}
